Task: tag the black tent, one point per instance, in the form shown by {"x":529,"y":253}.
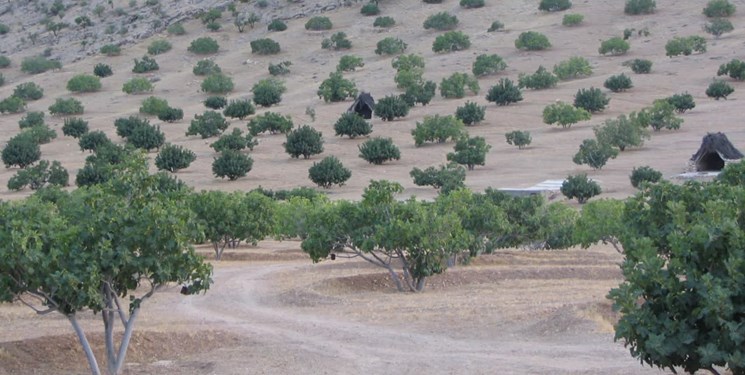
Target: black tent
{"x":363,"y":105}
{"x":715,"y":151}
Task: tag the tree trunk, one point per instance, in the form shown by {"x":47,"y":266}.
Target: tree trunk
{"x":420,"y":284}
{"x":394,"y":278}
{"x":128,"y":329}
{"x":92,"y":363}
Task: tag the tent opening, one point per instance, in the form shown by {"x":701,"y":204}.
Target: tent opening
{"x":710,"y":162}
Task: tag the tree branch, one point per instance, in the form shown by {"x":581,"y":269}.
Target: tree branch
{"x":38,"y":311}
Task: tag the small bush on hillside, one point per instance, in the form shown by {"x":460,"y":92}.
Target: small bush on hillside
{"x":446,"y":178}
{"x":28,"y":91}
{"x":618,"y":83}
{"x":682,"y":102}
{"x":554,"y":5}
{"x":235,"y":141}
{"x":280,"y":68}
{"x":126,"y":125}
{"x":336,"y":88}
{"x":74,"y":127}
{"x":614,"y":46}
{"x":379,"y":150}
{"x":471,"y":4}
{"x":532,"y":41}
{"x":455,"y":85}
{"x":719,"y":90}
{"x":572,"y":19}
{"x":336,"y":42}
{"x":661,"y":115}
{"x":171,"y":114}
{"x":495,"y":26}
{"x":146,"y":137}
{"x":407,"y":62}
{"x":21,"y":150}
{"x":348,"y":63}
{"x":594,"y":154}
{"x":93,"y":141}
{"x":270,"y":122}
{"x":644,"y":174}
{"x":304,"y":141}
{"x":421,"y":92}
{"x":328,"y":172}
{"x":84,"y":83}
{"x":635,"y":7}
{"x":4,"y":62}
{"x":352,"y":125}
{"x":137,"y":85}
{"x":215,"y":102}
{"x":173,"y":158}
{"x":564,"y":114}
{"x":102,"y":70}
{"x":592,"y":99}
{"x":470,"y":113}
{"x":217,"y":83}
{"x":391,"y":107}
{"x":176,"y":29}
{"x":203,"y":46}
{"x":153,"y":106}
{"x":518,"y":138}
{"x":390,"y":46}
{"x":488,"y":64}
{"x":685,"y":46}
{"x":39,"y":176}
{"x":318,"y":23}
{"x":66,"y":107}
{"x":438,"y":129}
{"x":541,"y":79}
{"x":575,"y":67}
{"x":239,"y":109}
{"x":719,"y":26}
{"x":147,"y":64}
{"x":719,"y":8}
{"x":4,"y":29}
{"x":41,"y":134}
{"x":39,"y":64}
{"x":370,"y":9}
{"x":264,"y":46}
{"x":622,"y":132}
{"x":232,"y":165}
{"x":441,"y":21}
{"x":384,"y":22}
{"x":735,"y":69}
{"x":159,"y":46}
{"x":505,"y":92}
{"x":451,"y":41}
{"x":208,"y":124}
{"x":111,"y":50}
{"x":12,"y":104}
{"x":641,"y":66}
{"x":206,"y":67}
{"x":470,"y":152}
{"x":277,"y":25}
{"x":268,"y":92}
{"x":31,"y":119}
{"x":580,"y":187}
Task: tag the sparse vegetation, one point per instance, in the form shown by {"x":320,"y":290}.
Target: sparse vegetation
{"x":176,"y":29}
{"x":336,"y":88}
{"x":379,"y":150}
{"x":216,"y":102}
{"x":203,"y":46}
{"x":488,"y":64}
{"x":66,"y":107}
{"x":147,"y":64}
{"x":349,"y":63}
{"x":390,"y":46}
{"x":719,"y":89}
{"x":541,"y":79}
{"x":384,"y":22}
{"x":564,"y":114}
{"x":641,"y":66}
{"x":173,"y":158}
{"x":635,"y":7}
{"x":234,"y":141}
{"x":438,"y":129}
{"x":441,"y":21}
{"x":615,"y":46}
{"x":318,"y":23}
{"x":12,"y":104}
{"x":532,"y":41}
{"x":111,"y":50}
{"x":217,"y":83}
{"x":337,"y":41}
{"x":352,"y":125}
{"x":592,"y":99}
{"x":265,"y":46}
{"x":575,"y":67}
{"x":618,"y":83}
{"x":505,"y":92}
{"x":455,"y":85}
{"x":682,"y":102}
{"x":157,"y":47}
{"x":594,"y":153}
{"x":470,"y":113}
{"x":495,"y":26}
{"x":719,"y":8}
{"x":270,"y":122}
{"x":277,"y":25}
{"x":451,"y":41}
{"x":84,"y":83}
{"x":645,"y":174}
{"x":370,"y":9}
{"x":391,"y":107}
{"x":102,"y":70}
{"x":304,"y":141}
{"x":28,"y":91}
{"x":208,"y":124}
{"x":137,"y":85}
{"x":444,"y":178}
{"x":572,"y":19}
{"x":519,"y":138}
{"x":328,"y":172}
{"x":31,"y":119}
{"x":718,"y":26}
{"x":580,"y":187}
{"x":470,"y":152}
{"x":554,"y":5}
{"x":232,"y":165}
{"x":39,"y":64}
{"x":735,"y":69}
{"x":239,"y":109}
{"x":685,"y":46}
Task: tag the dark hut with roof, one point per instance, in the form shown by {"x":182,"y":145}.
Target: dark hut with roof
{"x":715,"y":152}
{"x":363,"y":105}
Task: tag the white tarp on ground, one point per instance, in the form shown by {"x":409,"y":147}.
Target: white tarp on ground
{"x":698,"y":175}
{"x":545,"y":186}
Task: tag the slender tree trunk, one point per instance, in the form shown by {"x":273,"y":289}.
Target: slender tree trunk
{"x":92,"y":363}
{"x":395,"y":278}
{"x":128,"y":329}
{"x":420,"y":284}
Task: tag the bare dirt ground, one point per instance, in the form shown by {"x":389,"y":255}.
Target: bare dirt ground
{"x":274,"y":312}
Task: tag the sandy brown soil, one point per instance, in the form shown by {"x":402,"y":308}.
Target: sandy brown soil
{"x":272,"y":311}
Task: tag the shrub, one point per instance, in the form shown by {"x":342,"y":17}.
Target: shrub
{"x":446,"y":178}
{"x":348,"y":63}
{"x":12,"y":104}
{"x":438,"y":129}
{"x":171,"y":114}
{"x":532,"y":41}
{"x":126,"y":125}
{"x":176,"y":29}
{"x":31,"y":119}
{"x":232,"y":164}
{"x":234,"y":141}
{"x":21,"y":150}
{"x":352,"y":125}
{"x":734,"y":69}
{"x":470,"y":152}
{"x":4,"y":62}
{"x":203,"y":46}
{"x":580,"y":187}
{"x":270,"y":122}
{"x":635,"y":7}
{"x":470,"y":4}
{"x":614,"y":46}
{"x":554,"y":5}
{"x":644,"y":174}
{"x":102,"y":70}
{"x":719,"y":8}
{"x":564,"y":114}
{"x":505,"y":92}
{"x":137,"y":85}
{"x":147,"y":64}
{"x":159,"y":46}
{"x":4,"y":29}
{"x":408,"y":78}
{"x":280,"y":68}
{"x":41,"y":134}
{"x":719,"y":26}
{"x":379,"y":150}
{"x":390,"y":46}
{"x":215,"y":102}
{"x":518,"y":138}
{"x":407,"y":62}
{"x":594,"y":154}
{"x":572,"y":19}
{"x":451,"y":41}
{"x":208,"y":124}
{"x":455,"y":85}
{"x":84,"y":83}
{"x":641,"y":66}
{"x":337,"y":41}
{"x":38,"y":176}
{"x":74,"y":127}
{"x":618,"y":83}
{"x":384,"y":22}
{"x":328,"y":172}
{"x":541,"y":79}
{"x":111,"y":50}
{"x":592,"y":99}
{"x":264,"y":46}
{"x":421,"y":92}
{"x":719,"y":90}
{"x":277,"y":25}
{"x":206,"y":67}
{"x":318,"y":23}
{"x":217,"y":83}
{"x":441,"y":21}
{"x":391,"y":107}
{"x":65,"y":107}
{"x":685,"y":45}
{"x":268,"y":92}
{"x":336,"y":88}
{"x":660,"y":116}
{"x":470,"y":113}
{"x":146,"y":137}
{"x":239,"y":109}
{"x":495,"y":26}
{"x":575,"y":67}
{"x":488,"y":64}
{"x":682,"y":102}
{"x":28,"y":91}
{"x":211,"y":15}
{"x":622,"y":132}
{"x":304,"y":141}
{"x":39,"y":64}
{"x":153,"y":106}
{"x":370,"y":9}
{"x":173,"y":158}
